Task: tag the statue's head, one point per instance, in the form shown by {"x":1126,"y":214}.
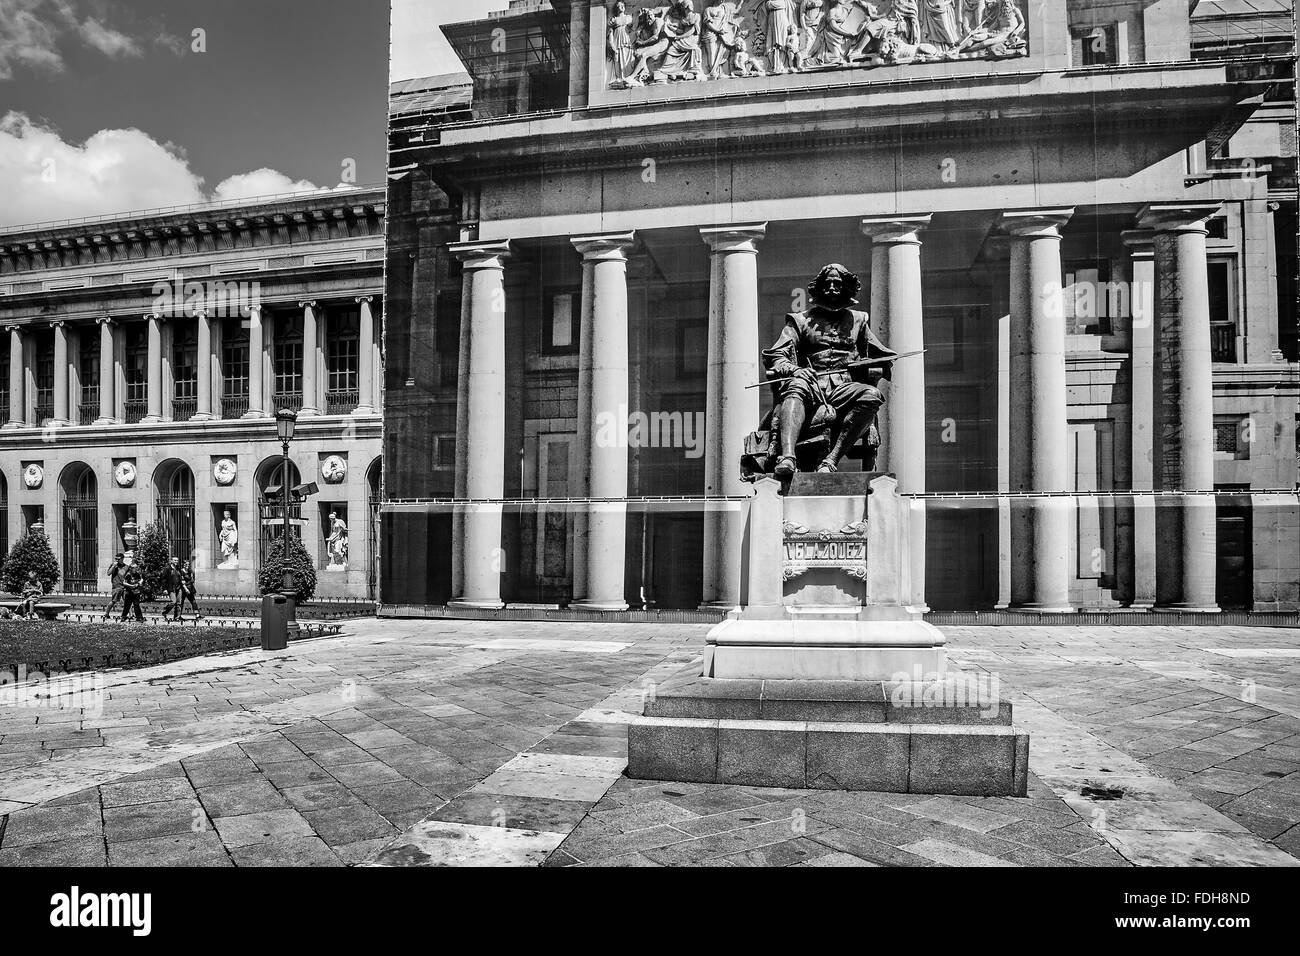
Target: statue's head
{"x":835,"y":287}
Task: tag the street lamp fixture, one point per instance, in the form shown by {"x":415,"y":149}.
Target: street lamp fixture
{"x":286,"y":421}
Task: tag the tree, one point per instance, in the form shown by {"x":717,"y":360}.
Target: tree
{"x":152,"y":552}
{"x":31,"y":553}
{"x":270,"y":577}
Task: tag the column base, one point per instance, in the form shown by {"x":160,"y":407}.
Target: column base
{"x":476,"y":605}
{"x":253,"y":413}
{"x":1191,"y":608}
{"x":101,"y":421}
{"x":151,"y":420}
{"x":10,"y":426}
{"x":203,"y":417}
{"x":58,"y":423}
{"x":364,"y":410}
{"x":719,"y":606}
{"x":599,"y":606}
{"x":308,"y":411}
{"x":1042,"y":608}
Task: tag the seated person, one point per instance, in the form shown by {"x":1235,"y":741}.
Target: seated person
{"x":826,"y":405}
{"x":32,"y":589}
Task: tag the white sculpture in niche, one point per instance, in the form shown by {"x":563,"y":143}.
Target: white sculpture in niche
{"x":124,"y":474}
{"x":337,"y":544}
{"x":224,"y":471}
{"x":33,"y":476}
{"x":228,"y":538}
{"x":333,"y":469}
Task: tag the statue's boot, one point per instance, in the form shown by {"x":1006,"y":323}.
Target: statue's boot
{"x":855,"y":425}
{"x":793,"y":415}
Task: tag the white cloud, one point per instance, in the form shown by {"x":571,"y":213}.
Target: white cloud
{"x":43,"y":177}
{"x":110,"y":42}
{"x":31,"y":31}
{"x":259,"y":182}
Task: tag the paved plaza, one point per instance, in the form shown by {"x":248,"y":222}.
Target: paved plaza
{"x":417,"y":743}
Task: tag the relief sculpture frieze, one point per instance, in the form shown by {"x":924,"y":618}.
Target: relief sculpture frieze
{"x":650,"y":43}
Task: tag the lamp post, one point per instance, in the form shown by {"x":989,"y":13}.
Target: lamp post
{"x":285,"y":421}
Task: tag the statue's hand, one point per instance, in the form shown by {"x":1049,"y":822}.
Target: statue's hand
{"x":804,"y":375}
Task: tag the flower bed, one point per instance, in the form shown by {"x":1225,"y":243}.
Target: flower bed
{"x":61,"y":647}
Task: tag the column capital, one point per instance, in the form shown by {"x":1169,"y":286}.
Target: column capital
{"x":1177,"y":216}
{"x":58,"y":323}
{"x":895,"y":229}
{"x":16,"y":329}
{"x":104,"y":320}
{"x":740,"y":237}
{"x":611,"y":246}
{"x":155,"y":317}
{"x":479,"y":254}
{"x":1035,"y":223}
{"x":365,"y":298}
{"x":307,"y":304}
{"x":255,"y":307}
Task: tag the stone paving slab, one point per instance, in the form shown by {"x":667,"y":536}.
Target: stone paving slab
{"x":440,"y":742}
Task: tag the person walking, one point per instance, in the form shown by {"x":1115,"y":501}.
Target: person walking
{"x":115,"y":572}
{"x":174,"y":582}
{"x":188,"y":590}
{"x":132,"y":582}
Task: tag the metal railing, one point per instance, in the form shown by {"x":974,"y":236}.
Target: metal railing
{"x":134,"y":411}
{"x":341,"y":401}
{"x":234,"y":406}
{"x":289,"y":400}
{"x":183,"y":409}
{"x":44,"y":412}
{"x":88,"y":410}
{"x":1223,"y":342}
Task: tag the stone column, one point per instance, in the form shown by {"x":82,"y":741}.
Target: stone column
{"x":1184,"y":399}
{"x":1040,"y":570}
{"x":214,"y":367}
{"x":896,"y":317}
{"x":484,"y":447}
{"x":107,"y":373}
{"x":462,"y":435}
{"x":365,"y":360}
{"x":203,"y":369}
{"x":155,"y":384}
{"x":60,"y":373}
{"x":310,"y":361}
{"x":605,"y":325}
{"x":17,"y":378}
{"x":1142,"y":425}
{"x":731,"y":409}
{"x":256,"y":395}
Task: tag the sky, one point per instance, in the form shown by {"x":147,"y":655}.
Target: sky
{"x":108,"y":106}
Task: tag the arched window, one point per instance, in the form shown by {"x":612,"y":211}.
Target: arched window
{"x":270,"y":490}
{"x":174,"y":485}
{"x":374,"y":485}
{"x":4,"y":517}
{"x":79,"y":497}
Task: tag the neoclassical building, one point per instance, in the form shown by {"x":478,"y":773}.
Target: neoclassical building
{"x":146,"y":356}
{"x":1084,"y":212}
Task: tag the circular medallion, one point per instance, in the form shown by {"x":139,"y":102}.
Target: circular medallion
{"x":124,"y":474}
{"x":333,"y":469}
{"x":33,"y":475}
{"x":224,"y":471}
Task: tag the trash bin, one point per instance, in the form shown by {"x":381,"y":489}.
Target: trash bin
{"x":275,"y":622}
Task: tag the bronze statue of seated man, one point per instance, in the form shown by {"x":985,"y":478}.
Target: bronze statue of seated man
{"x":827,"y":393}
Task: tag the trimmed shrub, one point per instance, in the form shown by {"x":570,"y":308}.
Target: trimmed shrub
{"x":152,"y":552}
{"x":31,"y":553}
{"x":270,"y":576}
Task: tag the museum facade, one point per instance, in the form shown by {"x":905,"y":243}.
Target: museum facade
{"x":146,"y":356}
{"x":1084,"y":212}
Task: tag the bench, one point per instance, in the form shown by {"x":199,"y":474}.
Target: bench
{"x":50,"y":610}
